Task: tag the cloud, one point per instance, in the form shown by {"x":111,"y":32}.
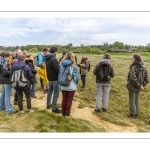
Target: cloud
{"x":63,"y":30}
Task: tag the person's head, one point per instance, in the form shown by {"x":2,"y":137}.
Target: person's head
{"x":45,"y":50}
{"x":5,"y":55}
{"x":43,"y":65}
{"x":20,"y":58}
{"x":84,"y":56}
{"x":29,"y":57}
{"x":53,"y":50}
{"x":64,"y":54}
{"x":136,"y":58}
{"x":19,"y":52}
{"x":13,"y":54}
{"x":106,"y":56}
{"x":71,"y":56}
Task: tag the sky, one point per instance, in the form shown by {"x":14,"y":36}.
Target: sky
{"x":64,"y":29}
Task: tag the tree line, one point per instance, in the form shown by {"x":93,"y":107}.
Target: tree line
{"x":105,"y":47}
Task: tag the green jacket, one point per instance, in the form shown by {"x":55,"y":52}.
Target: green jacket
{"x":137,"y":76}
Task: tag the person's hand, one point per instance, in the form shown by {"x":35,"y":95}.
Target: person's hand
{"x":141,"y":88}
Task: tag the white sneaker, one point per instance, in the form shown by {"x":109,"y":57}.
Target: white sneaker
{"x":30,"y":110}
{"x":21,"y":112}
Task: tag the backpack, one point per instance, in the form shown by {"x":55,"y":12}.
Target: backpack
{"x":64,"y":76}
{"x":18,"y":80}
{"x":103,"y":73}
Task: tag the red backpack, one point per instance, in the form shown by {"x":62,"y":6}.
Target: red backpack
{"x":89,"y":67}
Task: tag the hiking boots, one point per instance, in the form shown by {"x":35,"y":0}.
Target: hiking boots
{"x":97,"y":110}
{"x":132,"y":116}
{"x":15,"y":111}
{"x":56,"y":110}
{"x":104,"y":110}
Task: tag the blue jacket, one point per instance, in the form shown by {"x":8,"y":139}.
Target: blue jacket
{"x":74,"y":75}
{"x":40,"y":59}
{"x":27,"y":71}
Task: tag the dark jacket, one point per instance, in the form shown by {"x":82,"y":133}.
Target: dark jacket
{"x":52,"y":67}
{"x":4,"y":75}
{"x":31,"y":65}
{"x":137,"y":77}
{"x":27,"y":71}
{"x":111,"y":72}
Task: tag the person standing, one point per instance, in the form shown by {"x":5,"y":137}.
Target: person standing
{"x":103,"y":84}
{"x":62,"y":58}
{"x":43,"y":75}
{"x":69,"y":91}
{"x":52,"y":69}
{"x":137,"y":80}
{"x":41,"y":59}
{"x":33,"y":81}
{"x":5,"y":98}
{"x":84,"y":64}
{"x":26,"y":89}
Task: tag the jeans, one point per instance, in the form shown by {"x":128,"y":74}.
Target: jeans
{"x":54,"y":89}
{"x":33,"y":86}
{"x":5,"y":98}
{"x":102,"y":90}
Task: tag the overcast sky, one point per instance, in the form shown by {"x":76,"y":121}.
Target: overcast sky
{"x":76,"y":30}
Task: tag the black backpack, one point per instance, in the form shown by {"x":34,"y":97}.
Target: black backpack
{"x":103,"y":71}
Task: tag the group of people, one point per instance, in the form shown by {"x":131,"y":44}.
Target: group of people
{"x":48,"y":72}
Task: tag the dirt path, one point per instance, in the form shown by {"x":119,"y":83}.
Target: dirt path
{"x":85,"y":113}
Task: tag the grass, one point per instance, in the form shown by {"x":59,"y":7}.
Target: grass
{"x":118,"y":108}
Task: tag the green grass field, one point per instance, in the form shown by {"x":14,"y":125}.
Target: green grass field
{"x":43,"y":121}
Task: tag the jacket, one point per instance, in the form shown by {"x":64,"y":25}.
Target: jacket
{"x":43,"y":75}
{"x":52,"y":67}
{"x":111,"y":71}
{"x":84,"y":68}
{"x":31,"y":65}
{"x":27,"y":72}
{"x":74,"y":76}
{"x":4,"y":72}
{"x":137,"y":77}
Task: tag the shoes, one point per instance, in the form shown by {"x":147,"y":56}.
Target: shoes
{"x":49,"y":107}
{"x":104,"y":110}
{"x":57,"y":111}
{"x":67,"y":114}
{"x":15,"y":111}
{"x":15,"y":103}
{"x":30,"y":110}
{"x":97,"y":110}
{"x":21,"y":112}
{"x":33,"y":96}
{"x":82,"y":89}
{"x":132,"y":116}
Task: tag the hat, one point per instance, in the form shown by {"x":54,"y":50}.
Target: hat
{"x":107,"y":56}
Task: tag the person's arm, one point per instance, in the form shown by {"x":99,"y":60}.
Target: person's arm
{"x":4,"y":71}
{"x":56,"y":65}
{"x":28,"y":73}
{"x":94,"y":71}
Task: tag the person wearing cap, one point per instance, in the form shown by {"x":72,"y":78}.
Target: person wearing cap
{"x":103,"y":86}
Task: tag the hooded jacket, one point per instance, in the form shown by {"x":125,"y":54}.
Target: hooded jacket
{"x":137,"y":77}
{"x":52,"y":67}
{"x":74,"y":76}
{"x":27,"y":71}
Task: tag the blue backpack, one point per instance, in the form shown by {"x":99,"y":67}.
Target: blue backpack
{"x":64,"y":76}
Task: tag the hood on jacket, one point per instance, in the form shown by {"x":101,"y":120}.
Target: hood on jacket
{"x":48,"y":56}
{"x":66,"y":63}
{"x":139,"y":65}
{"x":18,"y":65}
